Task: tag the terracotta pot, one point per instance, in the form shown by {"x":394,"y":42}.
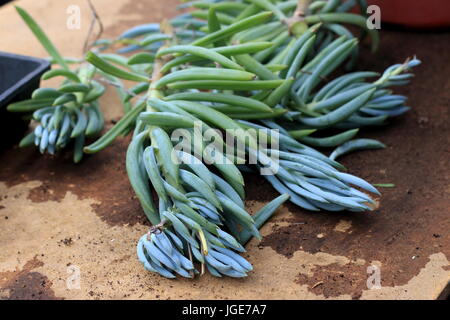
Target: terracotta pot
{"x":415,"y":13}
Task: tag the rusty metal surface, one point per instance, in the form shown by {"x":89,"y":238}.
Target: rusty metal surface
{"x":55,"y":215}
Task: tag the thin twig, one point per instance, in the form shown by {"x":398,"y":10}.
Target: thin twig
{"x":95,"y":19}
{"x":117,"y":85}
{"x":299,"y":13}
{"x":317,"y":284}
{"x":191,"y":272}
{"x":302,"y":7}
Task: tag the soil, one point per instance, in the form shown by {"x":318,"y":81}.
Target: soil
{"x":410,"y":226}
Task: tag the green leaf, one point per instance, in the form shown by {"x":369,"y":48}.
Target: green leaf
{"x":141,"y":58}
{"x":61,"y":72}
{"x":384,"y":185}
{"x":113,"y":70}
{"x":42,"y":37}
{"x":30,"y":105}
{"x":116,"y":130}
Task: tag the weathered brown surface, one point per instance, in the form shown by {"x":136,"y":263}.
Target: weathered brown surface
{"x":54,"y":214}
{"x":26,"y":284}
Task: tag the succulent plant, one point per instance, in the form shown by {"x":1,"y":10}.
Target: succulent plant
{"x":257,"y":70}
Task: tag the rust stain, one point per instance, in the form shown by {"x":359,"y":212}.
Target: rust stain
{"x":335,"y":280}
{"x":26,"y":284}
{"x":429,"y":283}
{"x":109,"y":269}
{"x":101,"y":177}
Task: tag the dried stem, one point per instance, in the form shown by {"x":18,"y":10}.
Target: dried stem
{"x":95,"y":19}
{"x":302,"y":7}
{"x":299,"y":13}
{"x":158,"y":227}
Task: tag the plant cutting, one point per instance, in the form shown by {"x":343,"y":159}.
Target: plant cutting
{"x":221,"y":70}
{"x":67,"y":114}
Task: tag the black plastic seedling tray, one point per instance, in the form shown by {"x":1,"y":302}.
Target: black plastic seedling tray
{"x":19,"y":77}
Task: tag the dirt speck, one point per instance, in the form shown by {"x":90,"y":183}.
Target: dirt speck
{"x":343,"y":226}
{"x":66,"y":241}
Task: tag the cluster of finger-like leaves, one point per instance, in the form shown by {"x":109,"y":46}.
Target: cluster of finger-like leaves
{"x":165,"y":252}
{"x":231,"y":66}
{"x":64,"y":115}
{"x":194,"y":204}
